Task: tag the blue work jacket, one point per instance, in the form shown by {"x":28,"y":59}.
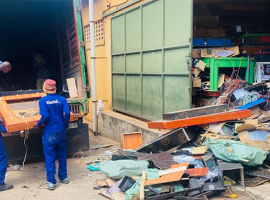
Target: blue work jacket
{"x":55,"y":113}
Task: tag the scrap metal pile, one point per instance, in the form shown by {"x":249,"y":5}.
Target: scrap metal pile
{"x":208,"y":150}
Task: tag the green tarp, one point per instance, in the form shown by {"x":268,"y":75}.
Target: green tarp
{"x":233,"y":151}
{"x":121,"y":168}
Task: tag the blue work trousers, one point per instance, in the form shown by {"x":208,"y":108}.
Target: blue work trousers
{"x":55,"y":147}
{"x":3,"y":161}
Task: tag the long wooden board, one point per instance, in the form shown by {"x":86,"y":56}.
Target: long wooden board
{"x":206,"y":119}
{"x":11,"y":121}
{"x":169,"y":177}
{"x":195,"y":112}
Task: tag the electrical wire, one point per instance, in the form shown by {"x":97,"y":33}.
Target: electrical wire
{"x":114,"y":6}
{"x":26,"y":137}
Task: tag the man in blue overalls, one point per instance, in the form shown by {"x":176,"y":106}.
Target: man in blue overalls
{"x":55,"y":115}
{"x":3,"y":163}
{"x":5,"y":67}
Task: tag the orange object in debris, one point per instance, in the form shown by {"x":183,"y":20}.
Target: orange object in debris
{"x":169,"y":177}
{"x":205,"y":119}
{"x":131,"y":140}
{"x":197,"y":172}
{"x":12,"y":122}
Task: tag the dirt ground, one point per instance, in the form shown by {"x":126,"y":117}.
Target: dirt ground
{"x":30,"y":184}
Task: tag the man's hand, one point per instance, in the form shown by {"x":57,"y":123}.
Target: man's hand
{"x":35,"y":126}
{"x":3,"y":129}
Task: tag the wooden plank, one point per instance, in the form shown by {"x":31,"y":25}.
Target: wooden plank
{"x":197,"y":172}
{"x":142,"y":185}
{"x":110,"y":182}
{"x":72,"y":88}
{"x":131,"y":140}
{"x":195,"y":112}
{"x":169,"y":177}
{"x":253,"y":182}
{"x":206,"y":119}
{"x":170,"y":171}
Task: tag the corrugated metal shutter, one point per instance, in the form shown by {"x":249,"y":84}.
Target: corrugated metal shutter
{"x":72,"y":55}
{"x":151,"y":46}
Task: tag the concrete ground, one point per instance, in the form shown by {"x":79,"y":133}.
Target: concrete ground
{"x":30,"y":184}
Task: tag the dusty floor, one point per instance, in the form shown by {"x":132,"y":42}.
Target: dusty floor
{"x":81,"y":184}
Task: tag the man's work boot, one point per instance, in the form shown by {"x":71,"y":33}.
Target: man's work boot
{"x":4,"y":187}
{"x":50,"y":186}
{"x":66,"y":181}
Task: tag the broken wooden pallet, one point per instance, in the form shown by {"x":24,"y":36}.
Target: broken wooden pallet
{"x":206,"y":119}
{"x":253,"y":182}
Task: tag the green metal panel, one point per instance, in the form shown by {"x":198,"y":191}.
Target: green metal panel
{"x":133,"y":30}
{"x":118,"y":63}
{"x":151,"y":48}
{"x":175,"y":62}
{"x":152,"y":25}
{"x":178,"y":24}
{"x":152,"y":96}
{"x":118,"y":37}
{"x":133,"y":62}
{"x":134,"y":96}
{"x":119,"y":92}
{"x":173,"y":96}
{"x":152,"y":61}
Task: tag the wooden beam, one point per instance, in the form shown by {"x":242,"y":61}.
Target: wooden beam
{"x":142,"y":185}
{"x":195,"y":112}
{"x":206,"y":119}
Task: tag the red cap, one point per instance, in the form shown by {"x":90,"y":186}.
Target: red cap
{"x":49,"y":86}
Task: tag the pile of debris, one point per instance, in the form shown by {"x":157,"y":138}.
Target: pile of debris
{"x":207,"y":150}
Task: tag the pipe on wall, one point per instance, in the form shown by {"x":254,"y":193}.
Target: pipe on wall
{"x":93,"y":66}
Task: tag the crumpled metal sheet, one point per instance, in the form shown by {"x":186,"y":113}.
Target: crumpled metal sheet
{"x":161,"y":160}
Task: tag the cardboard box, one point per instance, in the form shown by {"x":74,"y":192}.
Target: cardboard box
{"x":255,"y":140}
{"x":197,"y":83}
{"x":196,"y":53}
{"x":199,"y":67}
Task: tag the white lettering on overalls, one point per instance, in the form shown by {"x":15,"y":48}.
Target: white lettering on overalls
{"x":52,"y":102}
